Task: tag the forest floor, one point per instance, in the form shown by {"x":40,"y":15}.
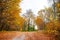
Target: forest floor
{"x":16,"y":35}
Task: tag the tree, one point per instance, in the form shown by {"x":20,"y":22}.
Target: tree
{"x":39,"y":23}
{"x":29,"y":18}
{"x":49,"y":13}
{"x":53,"y":6}
{"x":46,"y":14}
{"x":58,"y":10}
{"x":9,"y":14}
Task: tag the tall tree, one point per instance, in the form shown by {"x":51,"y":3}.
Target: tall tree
{"x":56,"y":7}
{"x":30,"y":18}
{"x":9,"y":14}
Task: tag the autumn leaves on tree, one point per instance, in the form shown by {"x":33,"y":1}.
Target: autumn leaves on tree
{"x":10,"y":20}
{"x":9,"y":15}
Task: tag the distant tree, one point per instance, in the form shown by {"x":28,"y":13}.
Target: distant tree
{"x":49,"y":13}
{"x":29,"y":18}
{"x":46,"y":14}
{"x":39,"y":23}
{"x":24,"y":27}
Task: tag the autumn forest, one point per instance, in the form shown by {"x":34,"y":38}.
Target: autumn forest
{"x":47,"y":19}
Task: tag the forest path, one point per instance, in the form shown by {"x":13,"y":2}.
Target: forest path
{"x":24,"y":36}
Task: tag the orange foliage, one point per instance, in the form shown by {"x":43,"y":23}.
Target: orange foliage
{"x":57,"y":24}
{"x":50,"y":25}
{"x":10,"y":10}
{"x":22,"y":22}
{"x":39,"y":22}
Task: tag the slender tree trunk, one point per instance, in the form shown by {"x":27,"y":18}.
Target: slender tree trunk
{"x":54,"y":10}
{"x":28,"y":23}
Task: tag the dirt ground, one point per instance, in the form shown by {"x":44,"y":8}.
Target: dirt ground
{"x":24,"y":36}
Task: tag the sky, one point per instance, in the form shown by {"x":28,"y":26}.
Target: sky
{"x":34,"y":5}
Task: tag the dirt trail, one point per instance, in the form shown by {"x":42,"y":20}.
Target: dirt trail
{"x":24,"y":36}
